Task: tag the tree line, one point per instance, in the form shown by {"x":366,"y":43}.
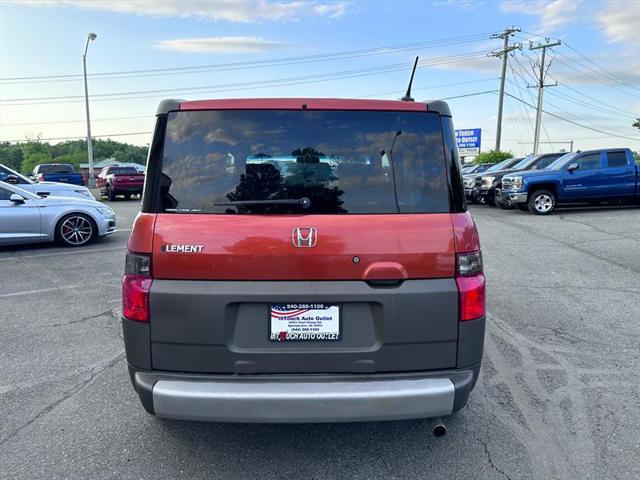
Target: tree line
{"x":24,"y":156}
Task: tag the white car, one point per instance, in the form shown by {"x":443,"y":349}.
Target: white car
{"x":43,"y":189}
{"x":73,"y":222}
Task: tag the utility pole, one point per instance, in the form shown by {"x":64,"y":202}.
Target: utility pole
{"x":504,"y":53}
{"x":91,"y":181}
{"x":541,"y":86}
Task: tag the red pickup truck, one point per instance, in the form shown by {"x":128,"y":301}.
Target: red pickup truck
{"x":116,"y":180}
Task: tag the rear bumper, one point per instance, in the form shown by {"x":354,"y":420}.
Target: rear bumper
{"x":304,"y":399}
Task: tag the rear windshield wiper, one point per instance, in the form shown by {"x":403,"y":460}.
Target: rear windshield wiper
{"x":304,"y":202}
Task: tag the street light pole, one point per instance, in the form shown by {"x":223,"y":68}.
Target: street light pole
{"x":91,"y":181}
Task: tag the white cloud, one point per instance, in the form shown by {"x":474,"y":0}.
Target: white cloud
{"x":620,"y":21}
{"x":220,"y":45}
{"x":231,"y":11}
{"x":551,"y":14}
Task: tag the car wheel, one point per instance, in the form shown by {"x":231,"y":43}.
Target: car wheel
{"x":522,"y":206}
{"x":75,"y":230}
{"x":542,"y":202}
{"x":111,"y":196}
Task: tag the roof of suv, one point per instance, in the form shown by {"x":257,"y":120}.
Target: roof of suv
{"x":438,"y":106}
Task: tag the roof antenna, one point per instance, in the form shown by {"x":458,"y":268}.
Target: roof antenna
{"x":407,"y":96}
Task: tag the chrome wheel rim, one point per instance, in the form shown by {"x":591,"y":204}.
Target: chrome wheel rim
{"x":76,"y":230}
{"x":543,"y":203}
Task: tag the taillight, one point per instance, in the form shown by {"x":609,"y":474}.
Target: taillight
{"x":136,"y":285}
{"x":471,"y":286}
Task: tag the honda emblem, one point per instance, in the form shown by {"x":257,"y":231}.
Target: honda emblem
{"x":304,"y":237}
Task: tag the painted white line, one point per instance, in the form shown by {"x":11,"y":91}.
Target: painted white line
{"x":42,"y":290}
{"x":73,"y":252}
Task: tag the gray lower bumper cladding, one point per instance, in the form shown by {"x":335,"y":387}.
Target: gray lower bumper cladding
{"x":304,"y":402}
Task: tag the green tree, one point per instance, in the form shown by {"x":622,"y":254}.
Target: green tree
{"x":637,"y":123}
{"x":11,"y":155}
{"x":31,"y":160}
{"x":492,"y":156}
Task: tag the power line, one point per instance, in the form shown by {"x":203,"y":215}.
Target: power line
{"x":593,"y":78}
{"x":593,"y":98}
{"x":341,"y":55}
{"x":79,"y":137}
{"x":606,"y":72}
{"x":144,"y":133}
{"x":245,"y":85}
{"x":610,"y":134}
{"x":591,"y":106}
{"x":62,"y":122}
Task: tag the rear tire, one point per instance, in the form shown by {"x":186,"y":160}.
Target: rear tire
{"x":75,"y":230}
{"x":542,"y":202}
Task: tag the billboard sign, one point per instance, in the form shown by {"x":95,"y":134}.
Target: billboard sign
{"x":468,"y":141}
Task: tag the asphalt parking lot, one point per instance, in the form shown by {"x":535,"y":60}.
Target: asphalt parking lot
{"x":558,"y":396}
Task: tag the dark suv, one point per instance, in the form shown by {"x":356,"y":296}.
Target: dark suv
{"x":303,"y":260}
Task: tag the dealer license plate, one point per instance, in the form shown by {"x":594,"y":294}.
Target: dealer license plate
{"x":295,"y":322}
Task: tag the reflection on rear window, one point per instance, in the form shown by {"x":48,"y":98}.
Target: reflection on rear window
{"x":55,"y":169}
{"x":341,"y":161}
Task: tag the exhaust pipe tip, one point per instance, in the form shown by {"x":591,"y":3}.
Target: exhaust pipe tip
{"x":438,"y":428}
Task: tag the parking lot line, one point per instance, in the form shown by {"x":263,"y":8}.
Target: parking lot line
{"x":42,"y":290}
{"x":74,"y":252}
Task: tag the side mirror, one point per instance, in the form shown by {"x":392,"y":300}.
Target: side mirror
{"x":17,"y":199}
{"x":573,"y":166}
{"x":12,"y":179}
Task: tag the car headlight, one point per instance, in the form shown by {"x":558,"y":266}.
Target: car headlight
{"x":105,"y":210}
{"x":516,"y":182}
{"x":85,"y":193}
{"x":488,"y":180}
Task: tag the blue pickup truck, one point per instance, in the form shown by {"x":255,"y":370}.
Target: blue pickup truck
{"x":56,"y":172}
{"x":592,"y":176}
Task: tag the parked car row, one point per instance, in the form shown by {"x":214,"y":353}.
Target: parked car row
{"x":539,"y":183}
{"x":26,"y":217}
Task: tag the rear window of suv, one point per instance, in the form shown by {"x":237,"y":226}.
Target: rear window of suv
{"x":215,"y":161}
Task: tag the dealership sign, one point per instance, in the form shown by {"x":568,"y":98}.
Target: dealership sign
{"x":468,"y":141}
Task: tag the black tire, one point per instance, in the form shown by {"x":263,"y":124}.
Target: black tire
{"x":75,"y":230}
{"x":542,"y":202}
{"x":522,"y":207}
{"x":111,"y":195}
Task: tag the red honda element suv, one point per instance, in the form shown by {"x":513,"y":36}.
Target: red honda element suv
{"x":303,"y":260}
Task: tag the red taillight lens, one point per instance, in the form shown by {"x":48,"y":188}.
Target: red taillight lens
{"x":472,"y":297}
{"x":135,"y":297}
{"x":471,"y":285}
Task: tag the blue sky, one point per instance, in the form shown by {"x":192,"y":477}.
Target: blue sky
{"x":46,"y":38}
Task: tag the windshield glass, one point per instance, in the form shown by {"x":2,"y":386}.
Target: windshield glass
{"x":6,"y":171}
{"x":525,"y":162}
{"x":498,"y":166}
{"x":19,"y":191}
{"x":563,"y":160}
{"x":342,"y":161}
{"x":53,"y":168}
